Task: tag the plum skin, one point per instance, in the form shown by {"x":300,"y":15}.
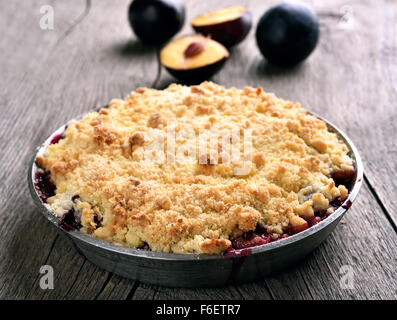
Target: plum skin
{"x":229,"y":33}
{"x":197,"y":75}
{"x":287,"y":33}
{"x":179,"y":65}
{"x":156,"y":21}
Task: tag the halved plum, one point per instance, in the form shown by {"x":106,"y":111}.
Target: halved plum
{"x":193,"y":58}
{"x":228,"y":26}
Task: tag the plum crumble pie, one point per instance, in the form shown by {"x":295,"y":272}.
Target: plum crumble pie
{"x":103,"y":176}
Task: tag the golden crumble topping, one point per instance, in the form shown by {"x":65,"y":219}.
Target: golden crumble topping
{"x":128,"y":192}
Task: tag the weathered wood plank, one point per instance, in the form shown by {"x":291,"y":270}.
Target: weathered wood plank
{"x":118,"y":288}
{"x":145,"y":291}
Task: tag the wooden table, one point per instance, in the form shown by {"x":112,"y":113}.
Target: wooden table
{"x":91,"y":56}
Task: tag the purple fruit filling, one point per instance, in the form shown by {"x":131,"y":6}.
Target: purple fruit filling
{"x":98,"y":221}
{"x":255,"y":238}
{"x":70,"y":221}
{"x":44,"y":186}
{"x":260,"y":236}
{"x":145,"y":247}
{"x":345,"y":177}
{"x":55,"y":139}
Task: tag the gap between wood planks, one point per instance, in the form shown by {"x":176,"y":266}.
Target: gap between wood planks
{"x":110,"y":275}
{"x":388,"y":216}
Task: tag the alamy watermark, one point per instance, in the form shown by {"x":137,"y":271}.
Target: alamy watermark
{"x":204,"y":147}
{"x":47,"y":19}
{"x":47,"y":278}
{"x":346,"y":281}
{"x":347,"y":20}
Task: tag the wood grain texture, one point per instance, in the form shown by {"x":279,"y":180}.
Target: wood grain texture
{"x":49,"y":77}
